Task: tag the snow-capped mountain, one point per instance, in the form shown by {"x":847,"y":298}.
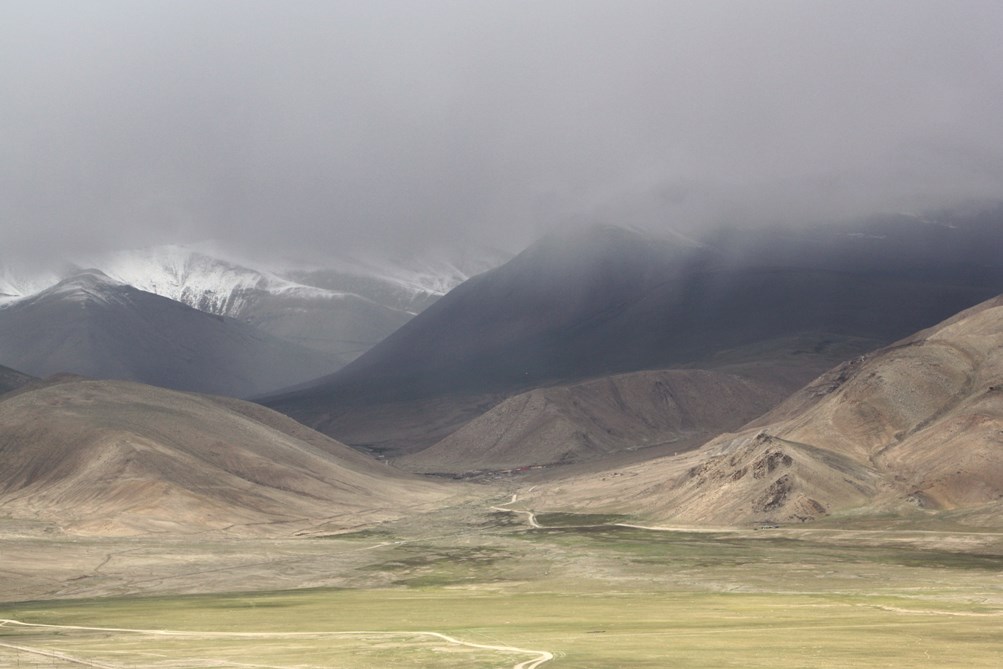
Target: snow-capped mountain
{"x":207,"y":283}
{"x":343,"y":307}
{"x":409,"y":283}
{"x":94,"y":325}
{"x":16,"y":283}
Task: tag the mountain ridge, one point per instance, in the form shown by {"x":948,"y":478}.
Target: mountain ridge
{"x":92,"y":325}
{"x":342,"y":310}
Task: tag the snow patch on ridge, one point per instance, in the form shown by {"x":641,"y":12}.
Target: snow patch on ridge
{"x":16,"y":284}
{"x":212,"y":281}
{"x":436,"y":272}
{"x":209,"y":284}
{"x":90,"y":285}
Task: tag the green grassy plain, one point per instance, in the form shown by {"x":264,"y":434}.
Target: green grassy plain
{"x":595,"y":597}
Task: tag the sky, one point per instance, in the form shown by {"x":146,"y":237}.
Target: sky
{"x":326,"y":126}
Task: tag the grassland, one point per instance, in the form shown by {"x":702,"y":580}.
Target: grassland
{"x":597,"y":597}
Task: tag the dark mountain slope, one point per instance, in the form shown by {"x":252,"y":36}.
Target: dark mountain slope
{"x":11,"y":379}
{"x":497,"y":330}
{"x":96,"y":327}
{"x":608,"y":300}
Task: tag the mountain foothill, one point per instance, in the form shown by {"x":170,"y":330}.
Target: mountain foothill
{"x":122,"y":458}
{"x":914,"y":427}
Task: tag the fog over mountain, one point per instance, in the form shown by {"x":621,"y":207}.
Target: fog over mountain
{"x":607,"y":300}
{"x":301,"y":129}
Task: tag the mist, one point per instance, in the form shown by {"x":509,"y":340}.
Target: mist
{"x":318,"y":126}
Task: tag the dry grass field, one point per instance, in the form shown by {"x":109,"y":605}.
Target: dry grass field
{"x":578,"y":592}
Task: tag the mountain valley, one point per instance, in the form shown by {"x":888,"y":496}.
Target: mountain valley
{"x":786,"y":457}
{"x":575,"y":334}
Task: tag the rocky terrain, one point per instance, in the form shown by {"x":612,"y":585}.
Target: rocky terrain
{"x":915,"y":427}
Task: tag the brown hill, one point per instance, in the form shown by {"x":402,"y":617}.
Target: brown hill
{"x":124,"y":458}
{"x":917,"y":425}
{"x":402,"y":428}
{"x":665,"y":411}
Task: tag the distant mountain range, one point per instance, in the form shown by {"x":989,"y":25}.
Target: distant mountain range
{"x":771,"y":377}
{"x":908,"y":430}
{"x":607,"y":300}
{"x":94,"y":326}
{"x":187,"y":320}
{"x":342,"y":308}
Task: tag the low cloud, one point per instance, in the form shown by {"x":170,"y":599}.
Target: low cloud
{"x":282,"y":127}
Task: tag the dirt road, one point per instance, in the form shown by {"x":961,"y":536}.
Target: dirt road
{"x":539,"y":656}
{"x":530,"y":517}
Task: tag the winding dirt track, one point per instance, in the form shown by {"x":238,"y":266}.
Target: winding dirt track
{"x":534,"y":523}
{"x":530,"y":516}
{"x":539,"y":656}
{"x":680,"y":528}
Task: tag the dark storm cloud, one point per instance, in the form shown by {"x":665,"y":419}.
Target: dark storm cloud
{"x":333,"y":124}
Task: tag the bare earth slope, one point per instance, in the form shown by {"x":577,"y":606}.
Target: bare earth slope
{"x":118,"y":457}
{"x":915,"y":426}
{"x":401,"y":428}
{"x":676,"y":409}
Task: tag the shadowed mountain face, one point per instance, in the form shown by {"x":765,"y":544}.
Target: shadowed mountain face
{"x":96,"y":327}
{"x":917,"y":425}
{"x":500,"y":330}
{"x":11,"y":379}
{"x":608,"y":300}
{"x":111,"y":457}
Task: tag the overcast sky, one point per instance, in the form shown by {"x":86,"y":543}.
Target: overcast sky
{"x":326,"y":125}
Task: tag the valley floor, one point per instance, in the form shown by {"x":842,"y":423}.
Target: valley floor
{"x":473,"y":586}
